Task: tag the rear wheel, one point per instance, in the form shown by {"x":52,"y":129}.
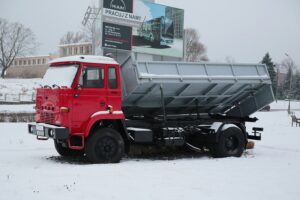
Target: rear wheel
{"x":105,"y":145}
{"x":231,"y":143}
{"x":65,"y":151}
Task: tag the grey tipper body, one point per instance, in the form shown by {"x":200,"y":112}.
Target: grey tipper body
{"x":236,"y":90}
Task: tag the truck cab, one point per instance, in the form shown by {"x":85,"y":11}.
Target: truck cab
{"x":78,"y":94}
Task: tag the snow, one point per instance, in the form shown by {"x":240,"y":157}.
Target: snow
{"x":31,"y":169}
{"x":16,"y":90}
{"x":61,"y":76}
{"x":295,"y":105}
{"x":86,"y":59}
{"x":26,"y":108}
{"x":17,"y":86}
{"x":75,"y":44}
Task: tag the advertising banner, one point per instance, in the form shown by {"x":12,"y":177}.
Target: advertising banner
{"x":143,"y":27}
{"x":117,"y":36}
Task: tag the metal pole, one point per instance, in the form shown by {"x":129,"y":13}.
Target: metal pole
{"x":277,"y":83}
{"x":291,"y":79}
{"x":93,"y":38}
{"x":290,"y":92}
{"x":289,"y":107}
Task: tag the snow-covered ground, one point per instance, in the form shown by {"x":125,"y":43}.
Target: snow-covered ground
{"x":15,"y":90}
{"x":31,"y":169}
{"x":295,"y":105}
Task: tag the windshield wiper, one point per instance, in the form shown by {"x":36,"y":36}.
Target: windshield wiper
{"x":47,"y":86}
{"x":54,"y":85}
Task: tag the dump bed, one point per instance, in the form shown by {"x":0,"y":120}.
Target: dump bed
{"x":233,"y":89}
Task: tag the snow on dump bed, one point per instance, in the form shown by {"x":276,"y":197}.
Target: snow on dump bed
{"x":31,"y":169}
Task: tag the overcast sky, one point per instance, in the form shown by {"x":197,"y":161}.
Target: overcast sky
{"x":242,"y":29}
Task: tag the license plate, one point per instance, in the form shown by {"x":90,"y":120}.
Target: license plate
{"x":40,"y":130}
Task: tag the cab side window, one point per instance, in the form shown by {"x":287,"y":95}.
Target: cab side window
{"x":112,"y":78}
{"x":92,"y":77}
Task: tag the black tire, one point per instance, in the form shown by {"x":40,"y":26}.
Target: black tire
{"x":105,"y":145}
{"x":66,"y":152}
{"x":231,"y":143}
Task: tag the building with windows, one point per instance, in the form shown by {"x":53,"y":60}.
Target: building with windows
{"x":176,"y":15}
{"x":75,"y":49}
{"x":36,"y":66}
{"x":32,"y":60}
{"x":29,"y":66}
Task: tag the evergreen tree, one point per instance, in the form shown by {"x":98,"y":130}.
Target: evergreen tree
{"x":267,"y":60}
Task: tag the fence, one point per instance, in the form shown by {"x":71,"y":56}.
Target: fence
{"x":17,"y":117}
{"x":17,"y":98}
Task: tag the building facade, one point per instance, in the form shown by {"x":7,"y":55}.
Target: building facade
{"x":29,"y":66}
{"x":75,"y":49}
{"x":176,"y":15}
{"x":38,"y":61}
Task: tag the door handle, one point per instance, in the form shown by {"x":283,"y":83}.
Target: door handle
{"x":102,"y":103}
{"x":76,"y":95}
{"x":114,"y":92}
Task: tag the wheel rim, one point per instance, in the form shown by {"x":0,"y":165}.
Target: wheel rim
{"x":231,"y":143}
{"x":106,"y":148}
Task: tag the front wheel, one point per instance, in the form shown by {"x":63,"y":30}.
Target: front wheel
{"x":231,"y":143}
{"x":105,"y":145}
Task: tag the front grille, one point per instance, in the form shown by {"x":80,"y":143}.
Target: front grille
{"x":47,"y":117}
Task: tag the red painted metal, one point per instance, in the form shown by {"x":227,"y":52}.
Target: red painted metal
{"x":86,"y":105}
{"x":76,"y":147}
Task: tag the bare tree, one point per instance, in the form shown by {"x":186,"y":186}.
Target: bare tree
{"x":194,"y":50}
{"x":290,"y":82}
{"x":15,"y":40}
{"x":71,"y":37}
{"x":289,"y":63}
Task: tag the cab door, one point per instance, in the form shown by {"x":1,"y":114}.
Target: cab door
{"x":90,"y":95}
{"x":114,"y":94}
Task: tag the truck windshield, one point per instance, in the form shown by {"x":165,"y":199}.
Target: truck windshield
{"x":61,"y":76}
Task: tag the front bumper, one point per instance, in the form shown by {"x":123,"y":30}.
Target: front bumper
{"x":42,"y":130}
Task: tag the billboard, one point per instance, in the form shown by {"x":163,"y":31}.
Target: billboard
{"x":116,"y":36}
{"x":144,"y":27}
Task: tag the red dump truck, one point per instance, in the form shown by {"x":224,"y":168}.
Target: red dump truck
{"x":92,"y":106}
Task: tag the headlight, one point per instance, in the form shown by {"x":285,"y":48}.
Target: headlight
{"x":31,"y":129}
{"x":51,"y":133}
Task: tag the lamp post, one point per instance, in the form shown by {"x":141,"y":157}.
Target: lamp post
{"x":291,"y":77}
{"x":277,"y":82}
